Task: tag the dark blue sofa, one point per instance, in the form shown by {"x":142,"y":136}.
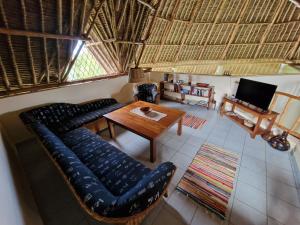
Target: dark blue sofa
{"x":63,"y":117}
{"x":107,"y":181}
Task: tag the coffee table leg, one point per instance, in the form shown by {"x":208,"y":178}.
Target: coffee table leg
{"x":111,"y":129}
{"x":152,"y":151}
{"x":179,"y":129}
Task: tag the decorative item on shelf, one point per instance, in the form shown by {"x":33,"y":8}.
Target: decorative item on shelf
{"x":202,"y":85}
{"x":226,"y":73}
{"x":248,"y":123}
{"x":280,"y":142}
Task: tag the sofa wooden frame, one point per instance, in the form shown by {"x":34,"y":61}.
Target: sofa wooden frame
{"x":130,"y":220}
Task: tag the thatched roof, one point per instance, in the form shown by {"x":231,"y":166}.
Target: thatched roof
{"x":196,"y":36}
{"x":38,"y":37}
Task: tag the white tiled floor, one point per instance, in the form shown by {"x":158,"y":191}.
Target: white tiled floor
{"x":265,"y":191}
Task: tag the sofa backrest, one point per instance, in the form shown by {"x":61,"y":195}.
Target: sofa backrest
{"x":97,"y":104}
{"x":51,"y":114}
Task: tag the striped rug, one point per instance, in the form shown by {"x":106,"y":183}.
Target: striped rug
{"x":210,"y":177}
{"x":193,"y":121}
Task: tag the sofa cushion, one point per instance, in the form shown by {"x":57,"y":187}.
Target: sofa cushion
{"x":97,"y":104}
{"x":140,"y":188}
{"x":117,"y":171}
{"x":90,"y":116}
{"x":51,"y":114}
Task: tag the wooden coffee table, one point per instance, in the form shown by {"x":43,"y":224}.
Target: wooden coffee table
{"x":145,"y":127}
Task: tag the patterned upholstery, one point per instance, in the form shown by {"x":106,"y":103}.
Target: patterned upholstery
{"x":108,"y":181}
{"x":147,"y":93}
{"x":63,"y":117}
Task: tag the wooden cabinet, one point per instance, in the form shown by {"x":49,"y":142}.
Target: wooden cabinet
{"x":258,"y":116}
{"x":188,"y":94}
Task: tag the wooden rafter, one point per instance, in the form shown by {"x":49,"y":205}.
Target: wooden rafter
{"x":270,"y":25}
{"x":294,"y":49}
{"x":219,"y":14}
{"x":167,"y":31}
{"x":46,"y":64}
{"x":14,"y":32}
{"x":146,"y":4}
{"x":148,"y":33}
{"x":4,"y":75}
{"x":70,"y":64}
{"x":59,"y":24}
{"x":11,"y":48}
{"x":188,"y":28}
{"x":236,"y":28}
{"x":29,"y":50}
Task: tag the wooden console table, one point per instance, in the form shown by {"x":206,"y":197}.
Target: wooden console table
{"x":256,"y":129}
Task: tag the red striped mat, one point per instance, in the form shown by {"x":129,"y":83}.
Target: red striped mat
{"x":193,"y":121}
{"x":210,"y":177}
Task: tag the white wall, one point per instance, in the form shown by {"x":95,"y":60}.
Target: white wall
{"x":227,"y":85}
{"x":11,"y":107}
{"x":16,"y":205}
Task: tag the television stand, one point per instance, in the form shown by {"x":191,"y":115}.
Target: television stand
{"x":256,"y":129}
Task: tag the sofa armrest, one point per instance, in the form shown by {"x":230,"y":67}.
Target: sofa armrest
{"x":148,"y":190}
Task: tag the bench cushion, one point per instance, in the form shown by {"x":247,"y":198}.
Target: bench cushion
{"x":116,"y":170}
{"x":110,"y":183}
{"x":91,"y":116}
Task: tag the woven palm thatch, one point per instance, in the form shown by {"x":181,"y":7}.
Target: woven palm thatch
{"x":118,"y":32}
{"x":37,"y":38}
{"x":194,"y":36}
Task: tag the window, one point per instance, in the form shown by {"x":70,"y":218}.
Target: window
{"x":86,"y":65}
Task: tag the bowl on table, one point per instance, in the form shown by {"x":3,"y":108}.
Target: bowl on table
{"x":145,"y":109}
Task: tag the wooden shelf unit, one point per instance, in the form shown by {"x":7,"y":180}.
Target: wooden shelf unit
{"x":169,"y":91}
{"x":256,"y":129}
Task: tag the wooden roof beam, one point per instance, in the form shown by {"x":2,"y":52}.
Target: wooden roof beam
{"x":167,"y":31}
{"x":147,"y":4}
{"x":267,"y":31}
{"x":71,"y":63}
{"x":25,"y":33}
{"x":148,"y":33}
{"x":236,"y":28}
{"x":219,"y":14}
{"x":4,"y":75}
{"x":189,"y":28}
{"x":11,"y":49}
{"x":29,"y":50}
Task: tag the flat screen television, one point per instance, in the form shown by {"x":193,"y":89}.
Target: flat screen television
{"x":256,"y":93}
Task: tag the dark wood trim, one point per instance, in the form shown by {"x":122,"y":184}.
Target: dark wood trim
{"x":45,"y":87}
{"x":25,"y":33}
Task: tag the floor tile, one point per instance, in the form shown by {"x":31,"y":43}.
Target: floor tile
{"x":251,"y":196}
{"x":243,"y":214}
{"x":256,"y":152}
{"x":280,"y":174}
{"x":272,"y":221}
{"x":283,"y":212}
{"x":196,"y":141}
{"x":253,"y":164}
{"x":182,"y":161}
{"x":283,"y":191}
{"x":256,"y":180}
{"x":183,"y":205}
{"x":174,"y":143}
{"x":189,"y":149}
{"x":205,"y":217}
